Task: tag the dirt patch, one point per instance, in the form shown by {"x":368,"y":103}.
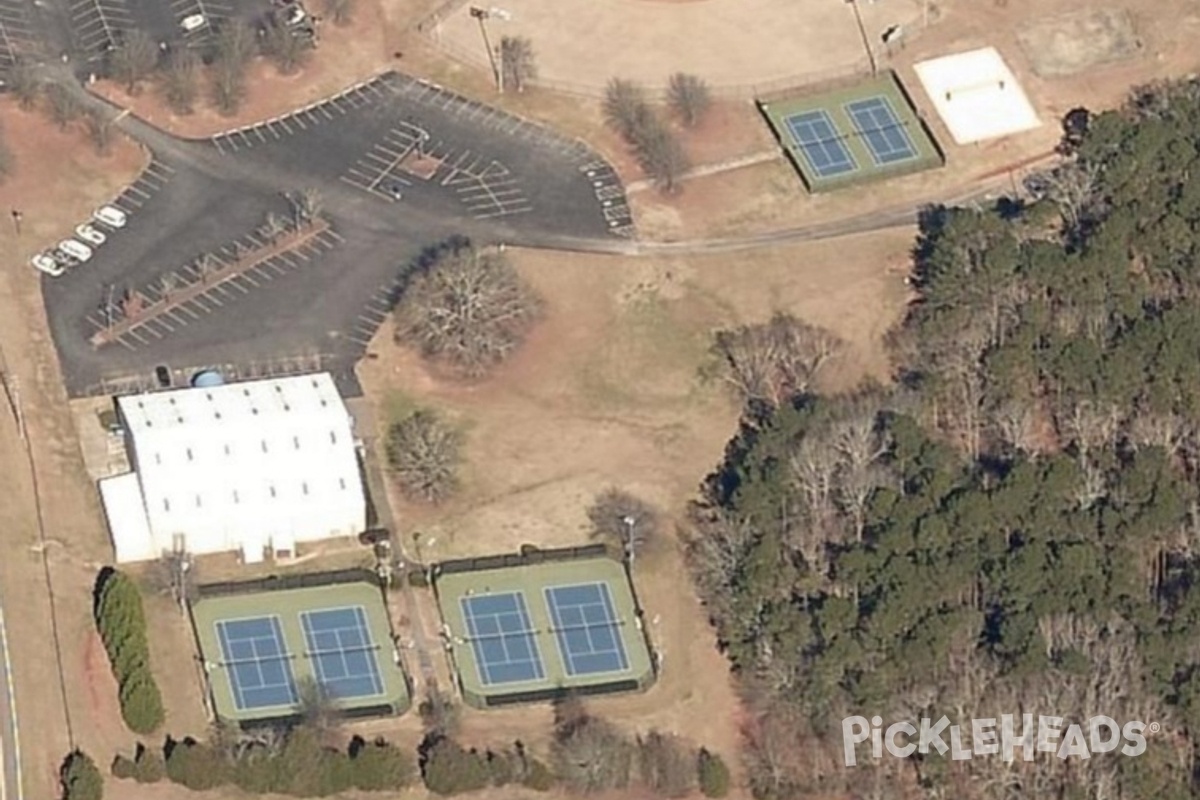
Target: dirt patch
{"x":58,"y":180}
{"x":1071,"y":43}
{"x":608,"y":392}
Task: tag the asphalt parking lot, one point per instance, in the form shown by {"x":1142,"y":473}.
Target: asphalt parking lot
{"x":486,"y":175}
{"x":15,"y":31}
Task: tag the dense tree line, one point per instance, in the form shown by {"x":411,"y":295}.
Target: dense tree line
{"x":1014,"y":527}
{"x":121,"y":621}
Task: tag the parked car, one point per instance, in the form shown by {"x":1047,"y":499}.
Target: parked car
{"x":193,"y":22}
{"x":110,"y":216}
{"x":76,"y":250}
{"x":44,"y":262}
{"x":91,"y":234}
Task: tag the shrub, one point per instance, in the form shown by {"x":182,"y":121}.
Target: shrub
{"x":196,"y":766}
{"x":379,"y":766}
{"x":121,"y":622}
{"x":502,"y":767}
{"x":256,"y":771}
{"x":307,"y":769}
{"x":123,"y":768}
{"x":667,"y":764}
{"x":537,"y":775}
{"x":148,"y":766}
{"x":80,"y":778}
{"x":712,"y":774}
{"x":141,"y":702}
{"x":449,"y":769}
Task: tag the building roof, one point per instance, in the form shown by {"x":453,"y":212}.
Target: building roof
{"x":977,"y":95}
{"x":244,"y":460}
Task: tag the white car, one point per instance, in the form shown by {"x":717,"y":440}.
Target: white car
{"x":110,"y":216}
{"x":76,"y":250}
{"x":193,"y":22}
{"x":43,"y":262}
{"x":90,"y":234}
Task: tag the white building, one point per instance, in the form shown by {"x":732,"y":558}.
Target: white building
{"x":241,"y":466}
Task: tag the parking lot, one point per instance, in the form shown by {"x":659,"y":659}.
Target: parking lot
{"x":15,"y":32}
{"x":399,"y":166}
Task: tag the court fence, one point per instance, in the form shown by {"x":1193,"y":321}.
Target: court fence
{"x":527,"y":556}
{"x":300,"y":580}
{"x":304,"y":580}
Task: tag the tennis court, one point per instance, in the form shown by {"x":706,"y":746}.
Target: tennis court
{"x":852,"y":135}
{"x":502,"y":637}
{"x":530,"y":632}
{"x":343,"y":655}
{"x":260,"y":648}
{"x":586,"y":626}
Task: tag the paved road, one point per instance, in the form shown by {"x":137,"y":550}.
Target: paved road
{"x":9,"y":734}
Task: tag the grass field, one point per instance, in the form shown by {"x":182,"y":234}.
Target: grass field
{"x":287,"y":606}
{"x":925,"y":153}
{"x":458,"y":588}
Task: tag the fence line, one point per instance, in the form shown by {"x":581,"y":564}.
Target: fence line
{"x":475,"y":57}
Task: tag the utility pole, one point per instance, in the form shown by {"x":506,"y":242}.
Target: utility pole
{"x":862,"y":32}
{"x":482,"y":15}
{"x":17,"y":216}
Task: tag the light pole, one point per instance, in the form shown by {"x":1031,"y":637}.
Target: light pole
{"x":482,"y":15}
{"x":629,"y":521}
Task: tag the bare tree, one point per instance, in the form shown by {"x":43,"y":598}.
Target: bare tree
{"x":286,"y":49}
{"x":625,"y":107}
{"x":63,"y":105}
{"x":592,"y":756}
{"x":306,"y":205}
{"x":660,"y":153}
{"x":228,"y":87}
{"x":340,"y":11}
{"x":773,"y":361}
{"x":624,"y":519}
{"x":167,"y":285}
{"x":425,"y":454}
{"x":317,"y":708}
{"x":24,"y":83}
{"x":666,"y":764}
{"x":717,"y":547}
{"x":1072,"y":187}
{"x":206,"y":266}
{"x":689,"y":98}
{"x":1016,"y":425}
{"x":439,"y":713}
{"x":469,"y":308}
{"x":273,"y":225}
{"x":518,"y":64}
{"x":100,"y":132}
{"x":236,"y":43}
{"x":134,"y":59}
{"x":179,"y":83}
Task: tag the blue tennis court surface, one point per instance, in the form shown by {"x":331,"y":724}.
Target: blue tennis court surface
{"x":502,"y":638}
{"x":877,"y":123}
{"x":587,"y":628}
{"x":817,"y":138}
{"x":259,"y":669}
{"x":343,"y":655}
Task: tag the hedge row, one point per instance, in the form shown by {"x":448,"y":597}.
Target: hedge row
{"x":301,"y":767}
{"x":121,"y":621}
{"x":448,"y":768}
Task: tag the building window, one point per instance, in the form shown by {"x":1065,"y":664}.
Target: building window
{"x":296,"y":441}
{"x":166,"y":504}
{"x":272,"y":491}
{"x":198,"y":503}
{"x":342,"y":483}
{"x":264,"y":445}
{"x":158,"y":458}
{"x":227,"y":450}
{"x":304,"y":486}
{"x":333,"y":437}
{"x":236,"y":499}
{"x":189,"y":454}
